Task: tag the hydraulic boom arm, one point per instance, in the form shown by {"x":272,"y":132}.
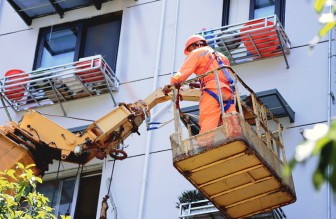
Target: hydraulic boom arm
{"x":36,"y":139}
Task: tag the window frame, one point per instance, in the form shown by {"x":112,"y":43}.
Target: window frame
{"x":99,"y":20}
{"x":57,"y":192}
{"x":46,"y":30}
{"x":280,"y":6}
{"x":82,"y":26}
{"x":77,"y":177}
{"x":226,"y":12}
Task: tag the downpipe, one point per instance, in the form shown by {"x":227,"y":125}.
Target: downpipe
{"x":149,"y":134}
{"x":329,"y":195}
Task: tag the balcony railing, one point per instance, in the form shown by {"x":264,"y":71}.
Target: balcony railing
{"x":87,"y":77}
{"x":205,"y":210}
{"x":250,"y":41}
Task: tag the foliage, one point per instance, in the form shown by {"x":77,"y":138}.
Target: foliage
{"x":18,"y":196}
{"x":326,"y":9}
{"x":319,"y":142}
{"x":190,"y":196}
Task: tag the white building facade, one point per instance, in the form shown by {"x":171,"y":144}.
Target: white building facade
{"x":143,"y":42}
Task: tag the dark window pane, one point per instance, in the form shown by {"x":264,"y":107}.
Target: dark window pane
{"x":66,"y":196}
{"x":263,"y":3}
{"x":103,"y":39}
{"x":87,"y":201}
{"x":50,"y":190}
{"x":59,"y":47}
{"x":264,"y":8}
{"x":60,"y":193}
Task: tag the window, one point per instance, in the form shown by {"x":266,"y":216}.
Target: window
{"x":69,"y":196}
{"x":68,"y":42}
{"x":59,"y":193}
{"x":58,"y":45}
{"x":87,"y":201}
{"x":226,"y":9}
{"x":263,"y":8}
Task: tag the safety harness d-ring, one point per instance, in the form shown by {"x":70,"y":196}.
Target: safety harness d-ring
{"x":118,"y":154}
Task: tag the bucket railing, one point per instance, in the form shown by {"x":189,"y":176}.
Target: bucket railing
{"x":252,"y":110}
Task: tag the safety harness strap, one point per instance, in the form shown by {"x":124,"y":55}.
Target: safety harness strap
{"x":224,"y":70}
{"x":207,"y":65}
{"x":227,"y":103}
{"x":226,"y":73}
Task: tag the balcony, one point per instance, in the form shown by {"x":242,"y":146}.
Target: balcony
{"x":87,"y":77}
{"x":205,"y":210}
{"x":250,"y":41}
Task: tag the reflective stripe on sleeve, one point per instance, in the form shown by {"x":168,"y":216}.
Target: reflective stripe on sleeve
{"x":177,"y":75}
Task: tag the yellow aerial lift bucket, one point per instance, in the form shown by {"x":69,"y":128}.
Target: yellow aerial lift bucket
{"x":240,"y":170}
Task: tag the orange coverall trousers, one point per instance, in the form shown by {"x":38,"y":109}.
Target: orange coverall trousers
{"x":209,"y":109}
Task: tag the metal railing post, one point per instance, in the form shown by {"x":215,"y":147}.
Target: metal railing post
{"x":220,"y":98}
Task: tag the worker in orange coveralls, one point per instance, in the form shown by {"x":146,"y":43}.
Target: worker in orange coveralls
{"x":200,"y":59}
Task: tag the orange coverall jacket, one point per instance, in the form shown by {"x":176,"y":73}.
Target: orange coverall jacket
{"x":209,"y":108}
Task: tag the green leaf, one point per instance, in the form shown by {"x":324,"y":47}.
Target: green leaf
{"x":332,"y":178}
{"x":325,"y":157}
{"x":38,"y":179}
{"x":190,"y":196}
{"x":20,"y":166}
{"x":11,"y":173}
{"x":319,"y":4}
{"x":42,"y":214}
{"x":20,"y":193}
{"x":318,"y":179}
{"x":288,"y":168}
{"x":332,"y":163}
{"x":12,"y":189}
{"x":321,"y":173}
{"x":320,"y":145}
{"x":30,"y":166}
{"x":327,"y":28}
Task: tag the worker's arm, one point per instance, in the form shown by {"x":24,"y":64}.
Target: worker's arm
{"x":188,"y":67}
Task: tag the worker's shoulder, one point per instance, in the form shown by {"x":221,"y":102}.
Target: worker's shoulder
{"x":202,"y":52}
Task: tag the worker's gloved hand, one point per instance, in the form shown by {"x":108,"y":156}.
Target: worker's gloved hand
{"x":194,"y":85}
{"x":167,"y":88}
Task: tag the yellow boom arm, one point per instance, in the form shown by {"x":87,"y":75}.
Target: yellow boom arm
{"x":40,"y":140}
